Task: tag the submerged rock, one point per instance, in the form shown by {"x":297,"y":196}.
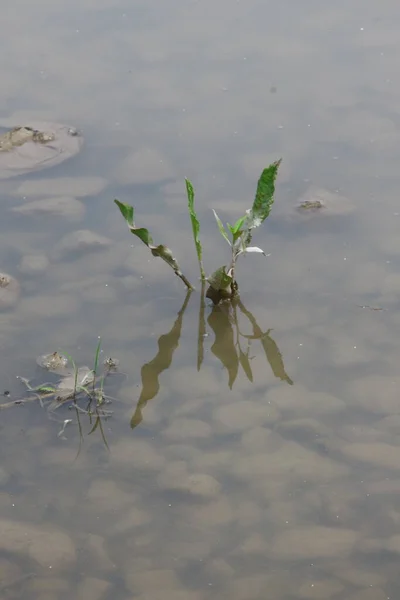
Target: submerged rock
{"x":9,"y":291}
{"x":33,"y":264}
{"x":60,"y":206}
{"x":145,"y":166}
{"x":82,"y":241}
{"x":78,"y":187}
{"x":47,"y":546}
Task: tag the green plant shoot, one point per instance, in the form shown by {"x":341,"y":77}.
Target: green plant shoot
{"x":195,"y":227}
{"x":143,"y":234}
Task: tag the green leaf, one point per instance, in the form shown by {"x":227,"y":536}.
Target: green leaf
{"x":166,"y":254}
{"x":237,"y":226}
{"x":221,"y":227}
{"x":96,"y":357}
{"x":220,"y":280}
{"x":262,"y":204}
{"x":264,"y":198}
{"x":46,"y":389}
{"x":195,"y":226}
{"x":127,"y":212}
{"x":144,"y":235}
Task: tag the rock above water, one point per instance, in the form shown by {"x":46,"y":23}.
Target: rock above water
{"x":60,"y":206}
{"x":9,"y":291}
{"x":47,"y":546}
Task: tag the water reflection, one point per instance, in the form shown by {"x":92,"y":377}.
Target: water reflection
{"x":224,"y":321}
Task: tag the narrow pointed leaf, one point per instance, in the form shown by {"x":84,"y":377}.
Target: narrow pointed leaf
{"x":144,"y":235}
{"x":127,"y":211}
{"x":238,"y":224}
{"x":272,"y":352}
{"x":221,"y":227}
{"x":275,"y":358}
{"x":195,"y":226}
{"x":245,"y":363}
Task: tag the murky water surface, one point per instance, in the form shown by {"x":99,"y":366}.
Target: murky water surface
{"x":273,"y":470}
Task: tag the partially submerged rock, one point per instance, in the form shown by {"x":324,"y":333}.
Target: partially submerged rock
{"x":54,"y":362}
{"x":36,"y":145}
{"x":9,"y":291}
{"x":323,"y":202}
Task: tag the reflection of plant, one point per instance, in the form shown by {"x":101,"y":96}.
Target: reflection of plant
{"x":167,"y":344}
{"x":222,"y":283}
{"x":227,"y":347}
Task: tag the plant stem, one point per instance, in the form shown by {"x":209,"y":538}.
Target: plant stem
{"x":185,"y":281}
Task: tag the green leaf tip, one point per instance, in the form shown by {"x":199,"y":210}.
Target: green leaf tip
{"x":127,"y":212}
{"x":195,"y":226}
{"x":143,"y":234}
{"x":264,"y":197}
{"x":221,"y":227}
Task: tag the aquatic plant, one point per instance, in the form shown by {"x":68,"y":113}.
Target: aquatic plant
{"x":78,"y":384}
{"x":222,"y":282}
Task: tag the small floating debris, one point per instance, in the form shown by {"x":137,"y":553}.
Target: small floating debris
{"x":54,"y":362}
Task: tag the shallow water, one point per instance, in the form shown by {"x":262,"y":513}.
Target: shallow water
{"x":274,"y":470}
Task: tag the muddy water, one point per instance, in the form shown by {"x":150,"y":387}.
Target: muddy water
{"x":273,"y":470}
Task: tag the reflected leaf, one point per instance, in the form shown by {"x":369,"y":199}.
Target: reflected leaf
{"x":150,"y":372}
{"x":272,"y":352}
{"x":201,"y":328}
{"x":99,"y":425}
{"x":274,"y":358}
{"x":224,"y":344}
{"x":245,"y":363}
